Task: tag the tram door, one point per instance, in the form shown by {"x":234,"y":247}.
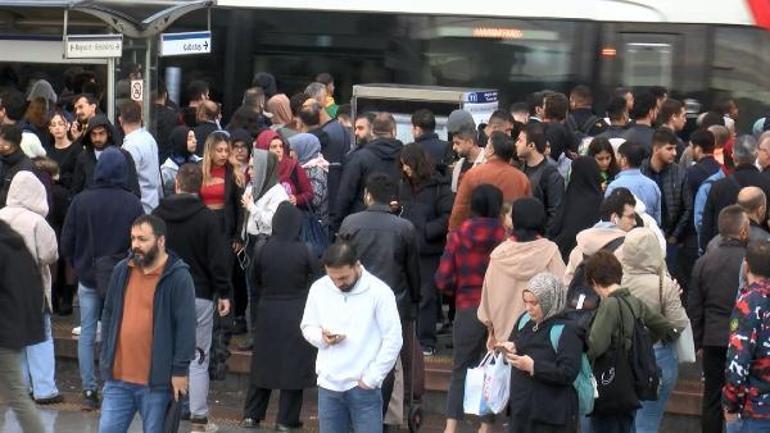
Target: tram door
{"x":648,"y":59}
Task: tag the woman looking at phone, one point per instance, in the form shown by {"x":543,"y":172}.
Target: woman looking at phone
{"x":540,"y":373}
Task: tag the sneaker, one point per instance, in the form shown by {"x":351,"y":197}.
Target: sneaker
{"x":90,"y":400}
{"x":288,"y":427}
{"x":250,"y":423}
{"x":428,"y":351}
{"x":56,"y":399}
{"x":76,"y":331}
{"x":202,"y":425}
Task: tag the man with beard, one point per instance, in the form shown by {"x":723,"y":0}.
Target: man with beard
{"x":97,"y":225}
{"x":85,"y":107}
{"x":98,"y":137}
{"x":351,"y":317}
{"x":362,"y":129}
{"x":149,"y":331}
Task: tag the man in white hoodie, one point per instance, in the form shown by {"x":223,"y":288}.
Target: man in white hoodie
{"x":352,"y":318}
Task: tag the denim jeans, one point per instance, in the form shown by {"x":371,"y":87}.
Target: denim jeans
{"x":38,"y":365}
{"x":122,"y":400}
{"x":90,"y":313}
{"x":755,"y":425}
{"x":199,"y":367}
{"x":648,"y":418}
{"x":358,"y":408}
{"x":13,"y":393}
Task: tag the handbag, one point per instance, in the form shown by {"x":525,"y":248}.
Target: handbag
{"x":615,"y":380}
{"x":313,"y":233}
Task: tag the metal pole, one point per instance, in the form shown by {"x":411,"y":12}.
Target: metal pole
{"x":111,"y":89}
{"x":146,"y":103}
{"x":64,"y":33}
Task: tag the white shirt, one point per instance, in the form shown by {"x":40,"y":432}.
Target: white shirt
{"x":368,"y":318}
{"x":144,"y":150}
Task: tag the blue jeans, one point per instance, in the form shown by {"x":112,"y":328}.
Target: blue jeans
{"x":38,"y":364}
{"x":358,"y":408}
{"x":90,"y":313}
{"x":648,"y":418}
{"x":122,"y":400}
{"x":755,"y":425}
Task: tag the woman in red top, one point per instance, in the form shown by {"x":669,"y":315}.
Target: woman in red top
{"x":291,"y":175}
{"x":223,"y":185}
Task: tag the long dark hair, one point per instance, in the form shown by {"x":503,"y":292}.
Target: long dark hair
{"x":414,"y":156}
{"x":602,"y":144}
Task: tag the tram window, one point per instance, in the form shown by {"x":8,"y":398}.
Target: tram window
{"x":647,"y":64}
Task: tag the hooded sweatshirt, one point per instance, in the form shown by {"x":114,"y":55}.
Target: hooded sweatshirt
{"x":193,"y":232}
{"x":512,"y":264}
{"x":25,"y":212}
{"x":368,"y":318}
{"x":589,"y":241}
{"x":98,"y":222}
{"x":645,"y":276}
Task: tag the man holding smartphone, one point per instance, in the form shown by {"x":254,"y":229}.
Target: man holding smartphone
{"x":352,"y":318}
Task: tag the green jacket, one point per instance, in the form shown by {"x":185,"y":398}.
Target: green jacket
{"x":605,"y":328}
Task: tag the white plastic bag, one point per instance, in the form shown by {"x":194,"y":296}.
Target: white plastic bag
{"x":473,"y":398}
{"x":497,"y":383}
{"x":685,"y":346}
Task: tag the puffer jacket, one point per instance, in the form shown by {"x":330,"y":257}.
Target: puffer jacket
{"x":677,"y":198}
{"x":645,"y":276}
{"x":512,"y":264}
{"x":25,"y":212}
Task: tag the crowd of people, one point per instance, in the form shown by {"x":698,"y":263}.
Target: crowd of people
{"x":554,"y":233}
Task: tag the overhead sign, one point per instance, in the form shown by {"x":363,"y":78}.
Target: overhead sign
{"x":93,"y":46}
{"x":183,"y":44}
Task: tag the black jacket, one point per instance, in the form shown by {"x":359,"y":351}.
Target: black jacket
{"x":9,"y":166}
{"x":202,"y":131}
{"x":232,"y":214}
{"x":548,"y":187}
{"x":560,"y":138}
{"x":21,"y":293}
{"x":552,"y":381}
{"x":83,"y":175}
{"x":438,"y":150}
{"x":194,"y":235}
{"x":388,"y":248}
{"x":166,"y":118}
{"x":724,"y":192}
{"x":583,"y":120}
{"x":378,"y":156}
{"x":712,"y":292}
{"x":428,"y":208}
{"x":677,"y":201}
{"x":641,"y":134}
{"x":99,"y":219}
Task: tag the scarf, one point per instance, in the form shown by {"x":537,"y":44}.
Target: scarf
{"x":286,"y":165}
{"x":279,"y":107}
{"x":178,"y":140}
{"x":306,"y":146}
{"x":550,"y":293}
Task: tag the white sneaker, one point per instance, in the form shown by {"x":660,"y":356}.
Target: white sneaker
{"x":76,"y":331}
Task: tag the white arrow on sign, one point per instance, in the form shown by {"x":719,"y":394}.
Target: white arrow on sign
{"x":183,"y":44}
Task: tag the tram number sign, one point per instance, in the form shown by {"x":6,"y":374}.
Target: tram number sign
{"x":93,"y":46}
{"x":137,"y":90}
{"x":183,"y":44}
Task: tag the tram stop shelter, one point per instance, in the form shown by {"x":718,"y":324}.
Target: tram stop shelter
{"x":122,"y":38}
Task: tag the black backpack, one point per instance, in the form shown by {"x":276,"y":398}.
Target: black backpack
{"x":642,"y":356}
{"x":580,"y":287}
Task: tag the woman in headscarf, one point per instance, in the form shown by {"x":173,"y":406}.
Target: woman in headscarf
{"x":281,"y":358}
{"x":461,"y":274}
{"x":306,"y":148}
{"x":526,"y":253}
{"x":542,"y":398}
{"x":283,"y":121}
{"x":183,"y":145}
{"x":290,"y":174}
{"x":646,"y":277}
{"x":579,"y":209}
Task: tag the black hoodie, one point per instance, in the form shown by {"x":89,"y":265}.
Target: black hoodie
{"x":194,"y":234}
{"x":83,"y":175}
{"x":379,"y":156}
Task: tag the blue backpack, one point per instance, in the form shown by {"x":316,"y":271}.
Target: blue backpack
{"x":584,"y":382}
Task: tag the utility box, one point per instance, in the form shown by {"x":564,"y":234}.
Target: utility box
{"x":402,"y":100}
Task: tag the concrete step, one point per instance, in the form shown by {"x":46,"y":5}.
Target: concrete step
{"x":685,"y":399}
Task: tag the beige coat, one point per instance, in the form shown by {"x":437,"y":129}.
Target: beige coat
{"x":25,"y":211}
{"x":511,"y":266}
{"x":589,"y":241}
{"x":646,"y":277}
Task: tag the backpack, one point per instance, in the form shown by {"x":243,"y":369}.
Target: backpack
{"x":583,"y":132}
{"x":642,"y":356}
{"x":585,"y":383}
{"x":580,"y":294}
